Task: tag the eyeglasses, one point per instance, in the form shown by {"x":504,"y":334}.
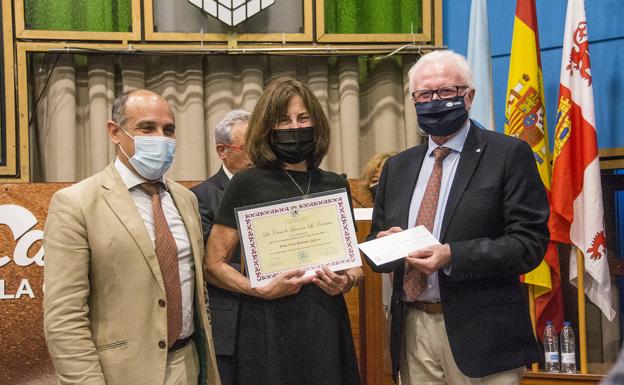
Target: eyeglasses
{"x":448,"y":92}
{"x":239,"y":148}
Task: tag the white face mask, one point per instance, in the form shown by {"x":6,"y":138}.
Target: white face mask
{"x":153,"y":155}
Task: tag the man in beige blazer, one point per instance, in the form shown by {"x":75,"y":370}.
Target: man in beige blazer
{"x":115,"y":311}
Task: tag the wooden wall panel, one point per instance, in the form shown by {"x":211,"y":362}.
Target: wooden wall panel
{"x":23,"y":211}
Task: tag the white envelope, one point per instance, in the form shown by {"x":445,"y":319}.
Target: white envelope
{"x":398,"y":245}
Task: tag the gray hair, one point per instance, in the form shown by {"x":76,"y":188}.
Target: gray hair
{"x":119,"y":108}
{"x":446,"y":56}
{"x":223,"y":130}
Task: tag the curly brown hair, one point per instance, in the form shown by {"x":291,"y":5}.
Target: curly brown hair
{"x":374,"y":164}
{"x":273,"y":104}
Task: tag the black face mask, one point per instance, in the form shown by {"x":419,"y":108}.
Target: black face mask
{"x":293,"y":145}
{"x":442,"y":117}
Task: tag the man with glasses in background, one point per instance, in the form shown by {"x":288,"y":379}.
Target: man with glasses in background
{"x":223,"y":304}
{"x":459,"y":311}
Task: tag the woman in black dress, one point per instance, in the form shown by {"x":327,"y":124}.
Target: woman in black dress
{"x":295,"y":330}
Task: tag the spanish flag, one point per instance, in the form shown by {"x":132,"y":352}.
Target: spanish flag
{"x":525,"y":118}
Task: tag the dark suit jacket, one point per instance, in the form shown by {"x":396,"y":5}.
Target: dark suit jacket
{"x":495,"y":222}
{"x":223,"y":304}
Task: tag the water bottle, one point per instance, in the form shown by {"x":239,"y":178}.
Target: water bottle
{"x":568,"y":352}
{"x":551,"y":348}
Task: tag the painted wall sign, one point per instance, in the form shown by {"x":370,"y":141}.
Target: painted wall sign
{"x":23,"y":210}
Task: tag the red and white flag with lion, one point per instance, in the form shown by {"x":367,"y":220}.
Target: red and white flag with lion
{"x":576,"y":200}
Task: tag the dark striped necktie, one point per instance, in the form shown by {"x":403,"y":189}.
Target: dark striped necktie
{"x":167,"y":254}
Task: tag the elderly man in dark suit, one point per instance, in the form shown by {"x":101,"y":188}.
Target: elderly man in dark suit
{"x":223,"y":304}
{"x":459,"y":311}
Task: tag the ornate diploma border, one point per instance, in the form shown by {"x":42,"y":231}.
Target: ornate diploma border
{"x":338,"y":198}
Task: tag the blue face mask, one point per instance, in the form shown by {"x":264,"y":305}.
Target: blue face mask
{"x":153,"y":155}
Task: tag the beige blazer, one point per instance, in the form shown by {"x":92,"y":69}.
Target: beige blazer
{"x":102,"y":320}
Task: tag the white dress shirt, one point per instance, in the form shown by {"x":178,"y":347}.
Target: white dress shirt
{"x":186,"y":266}
{"x":449,"y":166}
{"x":227,"y":172}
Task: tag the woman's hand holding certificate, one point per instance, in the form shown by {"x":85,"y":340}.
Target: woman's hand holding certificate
{"x":333,"y":283}
{"x":284,"y":284}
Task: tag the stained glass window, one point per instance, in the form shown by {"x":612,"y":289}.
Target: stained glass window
{"x":232,"y":12}
{"x":223,"y":16}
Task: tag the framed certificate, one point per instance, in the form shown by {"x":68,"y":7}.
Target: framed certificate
{"x":303,"y":232}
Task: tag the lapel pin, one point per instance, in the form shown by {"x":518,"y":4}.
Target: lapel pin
{"x":478,"y":150}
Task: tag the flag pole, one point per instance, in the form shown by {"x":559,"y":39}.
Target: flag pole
{"x":580,"y":266}
{"x":535,"y":365}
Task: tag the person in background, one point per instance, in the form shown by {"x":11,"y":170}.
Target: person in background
{"x":459,"y":312}
{"x":363,"y":189}
{"x":295,"y":330}
{"x":223,"y":304}
{"x":124,"y":301}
